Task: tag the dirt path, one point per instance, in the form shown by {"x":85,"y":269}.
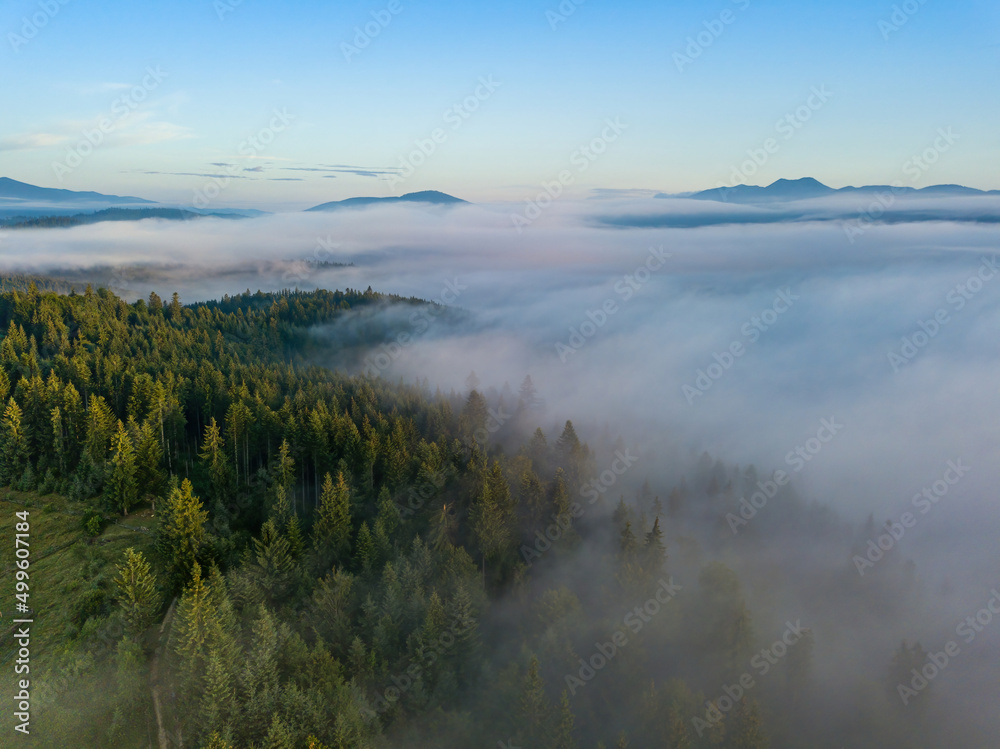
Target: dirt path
{"x":154,"y":680}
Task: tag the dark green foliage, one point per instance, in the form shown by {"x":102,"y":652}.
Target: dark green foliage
{"x":349,"y":578}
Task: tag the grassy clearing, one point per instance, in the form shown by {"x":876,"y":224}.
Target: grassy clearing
{"x":72,"y":597}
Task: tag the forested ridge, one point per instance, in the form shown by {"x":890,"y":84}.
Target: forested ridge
{"x":339,"y":561}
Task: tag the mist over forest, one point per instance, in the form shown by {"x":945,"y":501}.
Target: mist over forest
{"x":766,"y":465}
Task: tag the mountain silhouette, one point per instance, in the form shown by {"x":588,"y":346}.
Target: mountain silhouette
{"x":807,"y":188}
{"x":12,"y":191}
{"x":427,"y":196}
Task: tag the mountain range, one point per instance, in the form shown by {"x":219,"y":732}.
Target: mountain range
{"x":13,"y":192}
{"x":807,"y":188}
{"x":427,"y":196}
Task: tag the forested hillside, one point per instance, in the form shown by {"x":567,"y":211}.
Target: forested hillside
{"x":317,"y":560}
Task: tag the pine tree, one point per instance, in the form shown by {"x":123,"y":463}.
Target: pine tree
{"x":492,"y":520}
{"x":465,"y":651}
{"x":532,"y":500}
{"x":472,"y":422}
{"x":654,"y":551}
{"x":279,"y":735}
{"x":533,"y":707}
{"x":442,"y":528}
{"x":58,"y":440}
{"x":100,"y":429}
{"x":627,"y":545}
{"x":188,"y":640}
{"x":293,"y":534}
{"x":122,"y":491}
{"x":746,"y":730}
{"x":260,"y":677}
{"x":564,"y":738}
{"x":14,"y":457}
{"x":365,"y":554}
{"x":218,"y":705}
{"x":181,"y":531}
{"x":136,"y":592}
{"x":213,"y":454}
{"x":148,"y":457}
{"x":219,"y":709}
{"x":176,"y":311}
{"x":331,"y":533}
{"x":286,"y":465}
{"x":561,"y":507}
{"x":568,"y":443}
{"x":273,"y":561}
{"x":528,"y":395}
{"x":216,"y":741}
{"x":678,"y":736}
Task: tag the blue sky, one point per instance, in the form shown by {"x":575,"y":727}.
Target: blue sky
{"x":689,"y":124}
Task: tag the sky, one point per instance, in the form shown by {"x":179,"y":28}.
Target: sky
{"x":283,"y":106}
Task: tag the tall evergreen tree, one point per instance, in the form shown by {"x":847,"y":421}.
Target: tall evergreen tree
{"x":14,"y":457}
{"x":181,"y":531}
{"x":122,"y":491}
{"x":331,"y":533}
{"x":564,"y":738}
{"x":136,"y":592}
{"x":534,"y":709}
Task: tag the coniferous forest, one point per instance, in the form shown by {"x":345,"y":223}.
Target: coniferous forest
{"x":257,"y":551}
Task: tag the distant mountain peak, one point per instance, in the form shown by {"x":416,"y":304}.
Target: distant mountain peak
{"x":807,"y":188}
{"x":13,"y":191}
{"x":433,"y":197}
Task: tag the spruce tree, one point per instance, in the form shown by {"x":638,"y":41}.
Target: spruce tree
{"x":654,"y":550}
{"x":122,"y":491}
{"x":746,"y":731}
{"x":14,"y":457}
{"x":564,"y":738}
{"x":331,"y":533}
{"x":136,"y":592}
{"x":534,"y":709}
{"x":181,"y":531}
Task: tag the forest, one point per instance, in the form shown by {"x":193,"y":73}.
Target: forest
{"x":268,"y":553}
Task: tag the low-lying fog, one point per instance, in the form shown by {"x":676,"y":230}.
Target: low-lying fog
{"x":739,"y":339}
